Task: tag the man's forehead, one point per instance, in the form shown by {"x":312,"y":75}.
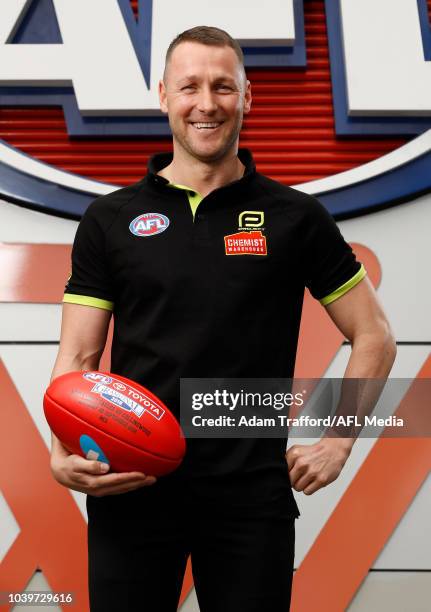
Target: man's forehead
{"x":189,"y":58}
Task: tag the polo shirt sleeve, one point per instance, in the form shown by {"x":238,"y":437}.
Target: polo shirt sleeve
{"x":90,"y":283}
{"x":331,"y":268}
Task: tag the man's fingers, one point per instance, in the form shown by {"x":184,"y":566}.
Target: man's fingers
{"x":87,"y":466}
{"x":293,"y":454}
{"x":123,"y":487}
{"x":120,"y":478}
{"x":298,"y":470}
{"x":312,"y":487}
{"x":303,"y":481}
{"x":92,"y":477}
{"x":120,"y":481}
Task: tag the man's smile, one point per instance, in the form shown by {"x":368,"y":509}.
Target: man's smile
{"x":206,"y":125}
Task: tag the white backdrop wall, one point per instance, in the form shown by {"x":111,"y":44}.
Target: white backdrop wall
{"x":400,"y":237}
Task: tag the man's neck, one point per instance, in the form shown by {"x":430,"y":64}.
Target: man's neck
{"x":200,"y":176}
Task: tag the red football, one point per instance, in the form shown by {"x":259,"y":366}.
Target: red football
{"x":110,"y":418}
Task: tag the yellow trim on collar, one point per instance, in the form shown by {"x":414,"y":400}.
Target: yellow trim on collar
{"x":193,"y":196}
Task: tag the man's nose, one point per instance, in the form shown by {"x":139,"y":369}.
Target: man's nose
{"x":207,"y":102}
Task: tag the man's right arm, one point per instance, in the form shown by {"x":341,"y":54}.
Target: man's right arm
{"x":83,"y":336}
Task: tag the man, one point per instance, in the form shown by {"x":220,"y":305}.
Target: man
{"x":188,"y":303}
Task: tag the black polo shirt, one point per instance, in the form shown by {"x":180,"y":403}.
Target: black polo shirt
{"x":218,"y":294}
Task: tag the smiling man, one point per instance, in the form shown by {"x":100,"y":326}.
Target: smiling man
{"x":215,"y":290}
{"x":205,"y":96}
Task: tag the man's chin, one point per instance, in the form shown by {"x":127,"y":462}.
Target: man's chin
{"x":206,"y":152}
{"x":210,"y":154}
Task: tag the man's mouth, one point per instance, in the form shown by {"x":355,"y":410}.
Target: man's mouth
{"x":206,"y":125}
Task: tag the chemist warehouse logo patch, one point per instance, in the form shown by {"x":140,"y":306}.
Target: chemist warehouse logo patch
{"x":249,"y":240}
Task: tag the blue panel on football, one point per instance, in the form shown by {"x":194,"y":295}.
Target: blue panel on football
{"x":87,"y":444}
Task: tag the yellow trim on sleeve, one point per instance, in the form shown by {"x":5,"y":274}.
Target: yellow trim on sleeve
{"x":193,"y":196}
{"x":345,"y":287}
{"x":87,"y":300}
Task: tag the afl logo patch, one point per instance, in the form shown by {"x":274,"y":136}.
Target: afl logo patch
{"x":149,"y":224}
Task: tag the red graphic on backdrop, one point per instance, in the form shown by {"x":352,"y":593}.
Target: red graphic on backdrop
{"x":389,"y":478}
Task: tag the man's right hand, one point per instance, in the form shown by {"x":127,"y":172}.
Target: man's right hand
{"x":88,"y":476}
{"x":73,"y":471}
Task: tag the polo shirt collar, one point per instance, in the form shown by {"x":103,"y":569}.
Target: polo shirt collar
{"x":161,"y":160}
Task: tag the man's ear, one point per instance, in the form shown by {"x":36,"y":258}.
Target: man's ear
{"x":162,"y":97}
{"x":247,"y":97}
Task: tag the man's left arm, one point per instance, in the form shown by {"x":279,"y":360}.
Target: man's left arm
{"x":360,"y":317}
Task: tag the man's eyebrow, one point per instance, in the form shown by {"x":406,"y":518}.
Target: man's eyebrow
{"x":190,"y":77}
{"x":224,"y":78}
{"x":194,"y":77}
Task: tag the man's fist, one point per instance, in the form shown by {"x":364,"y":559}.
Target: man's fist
{"x":314,"y":466}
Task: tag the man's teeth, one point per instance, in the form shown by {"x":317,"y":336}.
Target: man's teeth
{"x":206,"y":125}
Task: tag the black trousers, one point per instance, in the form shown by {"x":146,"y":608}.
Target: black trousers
{"x":139,"y":542}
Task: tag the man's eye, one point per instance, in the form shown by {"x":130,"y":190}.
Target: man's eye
{"x":187,"y":87}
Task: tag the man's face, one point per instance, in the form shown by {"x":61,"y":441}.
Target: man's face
{"x":205,"y":95}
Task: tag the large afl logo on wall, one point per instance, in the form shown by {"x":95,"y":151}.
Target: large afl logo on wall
{"x":102,"y":65}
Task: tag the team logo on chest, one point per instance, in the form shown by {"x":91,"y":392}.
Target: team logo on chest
{"x":248,"y":240}
{"x":149,"y":224}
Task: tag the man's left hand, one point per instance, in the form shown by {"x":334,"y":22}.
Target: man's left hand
{"x":314,"y":466}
